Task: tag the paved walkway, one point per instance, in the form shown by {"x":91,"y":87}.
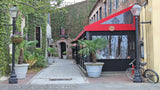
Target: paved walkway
{"x":60,"y":72}
{"x":65,"y":75}
{"x":97,"y":86}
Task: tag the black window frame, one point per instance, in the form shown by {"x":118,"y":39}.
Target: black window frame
{"x":117,"y":3}
{"x":94,"y":18}
{"x":100,"y":11}
{"x":97,"y":15}
{"x":38,"y":37}
{"x":105,"y":8}
{"x":110,"y":6}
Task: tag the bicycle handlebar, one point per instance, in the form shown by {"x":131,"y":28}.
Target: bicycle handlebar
{"x":131,"y":63}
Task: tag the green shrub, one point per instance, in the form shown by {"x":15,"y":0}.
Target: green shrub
{"x":40,"y":62}
{"x":38,"y":50}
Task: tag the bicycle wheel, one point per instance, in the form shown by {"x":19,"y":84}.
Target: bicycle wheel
{"x":129,"y":73}
{"x":151,"y":76}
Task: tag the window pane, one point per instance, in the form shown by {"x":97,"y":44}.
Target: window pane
{"x":116,"y":49}
{"x":100,"y":10}
{"x":125,"y":18}
{"x":110,"y":5}
{"x":38,"y":36}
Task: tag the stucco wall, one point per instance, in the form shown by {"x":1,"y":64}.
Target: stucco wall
{"x":156,"y":33}
{"x":151,"y":34}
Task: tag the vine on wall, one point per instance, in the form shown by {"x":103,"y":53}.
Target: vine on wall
{"x":5,"y":58}
{"x":73,"y":19}
{"x":32,"y":10}
{"x":37,"y":20}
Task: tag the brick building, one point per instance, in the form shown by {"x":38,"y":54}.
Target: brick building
{"x":104,"y":8}
{"x":113,"y":20}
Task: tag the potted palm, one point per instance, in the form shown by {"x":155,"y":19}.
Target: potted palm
{"x":51,"y":54}
{"x":21,"y":68}
{"x":89,"y":48}
{"x":30,"y":58}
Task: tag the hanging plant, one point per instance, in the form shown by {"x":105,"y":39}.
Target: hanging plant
{"x":17,"y":38}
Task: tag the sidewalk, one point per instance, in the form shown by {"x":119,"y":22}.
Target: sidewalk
{"x":66,"y":75}
{"x":60,"y":72}
{"x":65,"y":71}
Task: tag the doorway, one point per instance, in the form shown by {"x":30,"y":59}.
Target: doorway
{"x":63,"y":48}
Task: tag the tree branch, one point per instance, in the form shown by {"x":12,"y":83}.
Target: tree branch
{"x":27,"y":5}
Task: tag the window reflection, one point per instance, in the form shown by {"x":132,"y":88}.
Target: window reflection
{"x":116,"y":49}
{"x":125,"y":18}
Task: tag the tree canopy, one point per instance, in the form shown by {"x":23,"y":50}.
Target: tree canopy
{"x":30,"y":6}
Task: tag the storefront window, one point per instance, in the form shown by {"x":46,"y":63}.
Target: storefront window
{"x":117,"y":47}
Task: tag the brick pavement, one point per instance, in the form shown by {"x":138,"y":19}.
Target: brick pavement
{"x":60,"y":72}
{"x":110,"y":79}
{"x":107,"y":81}
{"x":67,"y":72}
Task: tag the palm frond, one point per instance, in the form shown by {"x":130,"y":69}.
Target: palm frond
{"x":92,"y":45}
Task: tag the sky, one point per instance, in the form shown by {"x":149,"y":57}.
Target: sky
{"x":74,"y":1}
{"x":69,"y":2}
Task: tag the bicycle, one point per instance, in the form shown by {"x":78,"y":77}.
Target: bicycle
{"x":149,"y":74}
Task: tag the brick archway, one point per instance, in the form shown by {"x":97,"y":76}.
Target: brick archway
{"x":68,"y":47}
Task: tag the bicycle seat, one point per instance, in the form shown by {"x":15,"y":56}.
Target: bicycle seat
{"x":143,"y":64}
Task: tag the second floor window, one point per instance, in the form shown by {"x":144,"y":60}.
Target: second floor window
{"x":117,"y":2}
{"x":38,"y":37}
{"x":97,"y":15}
{"x":110,"y":6}
{"x":100,"y":10}
{"x":94,"y":18}
{"x":105,"y":9}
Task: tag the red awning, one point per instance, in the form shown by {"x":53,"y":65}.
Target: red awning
{"x":120,"y":21}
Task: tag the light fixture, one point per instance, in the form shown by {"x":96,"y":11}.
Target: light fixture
{"x":136,"y":9}
{"x":13,"y":11}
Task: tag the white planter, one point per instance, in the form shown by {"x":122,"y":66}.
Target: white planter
{"x":64,"y":56}
{"x":3,"y":78}
{"x":50,"y":60}
{"x":20,"y":70}
{"x":94,"y":69}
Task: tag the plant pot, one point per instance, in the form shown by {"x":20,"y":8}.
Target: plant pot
{"x":20,"y":70}
{"x":94,"y":69}
{"x":64,"y":56}
{"x":17,"y":40}
{"x":50,"y":60}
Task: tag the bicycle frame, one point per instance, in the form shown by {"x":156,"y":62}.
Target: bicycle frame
{"x":149,"y":74}
{"x":133,"y":69}
{"x":133,"y":66}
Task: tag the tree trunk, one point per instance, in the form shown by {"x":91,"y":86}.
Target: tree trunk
{"x":94,"y":58}
{"x":21,"y":57}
